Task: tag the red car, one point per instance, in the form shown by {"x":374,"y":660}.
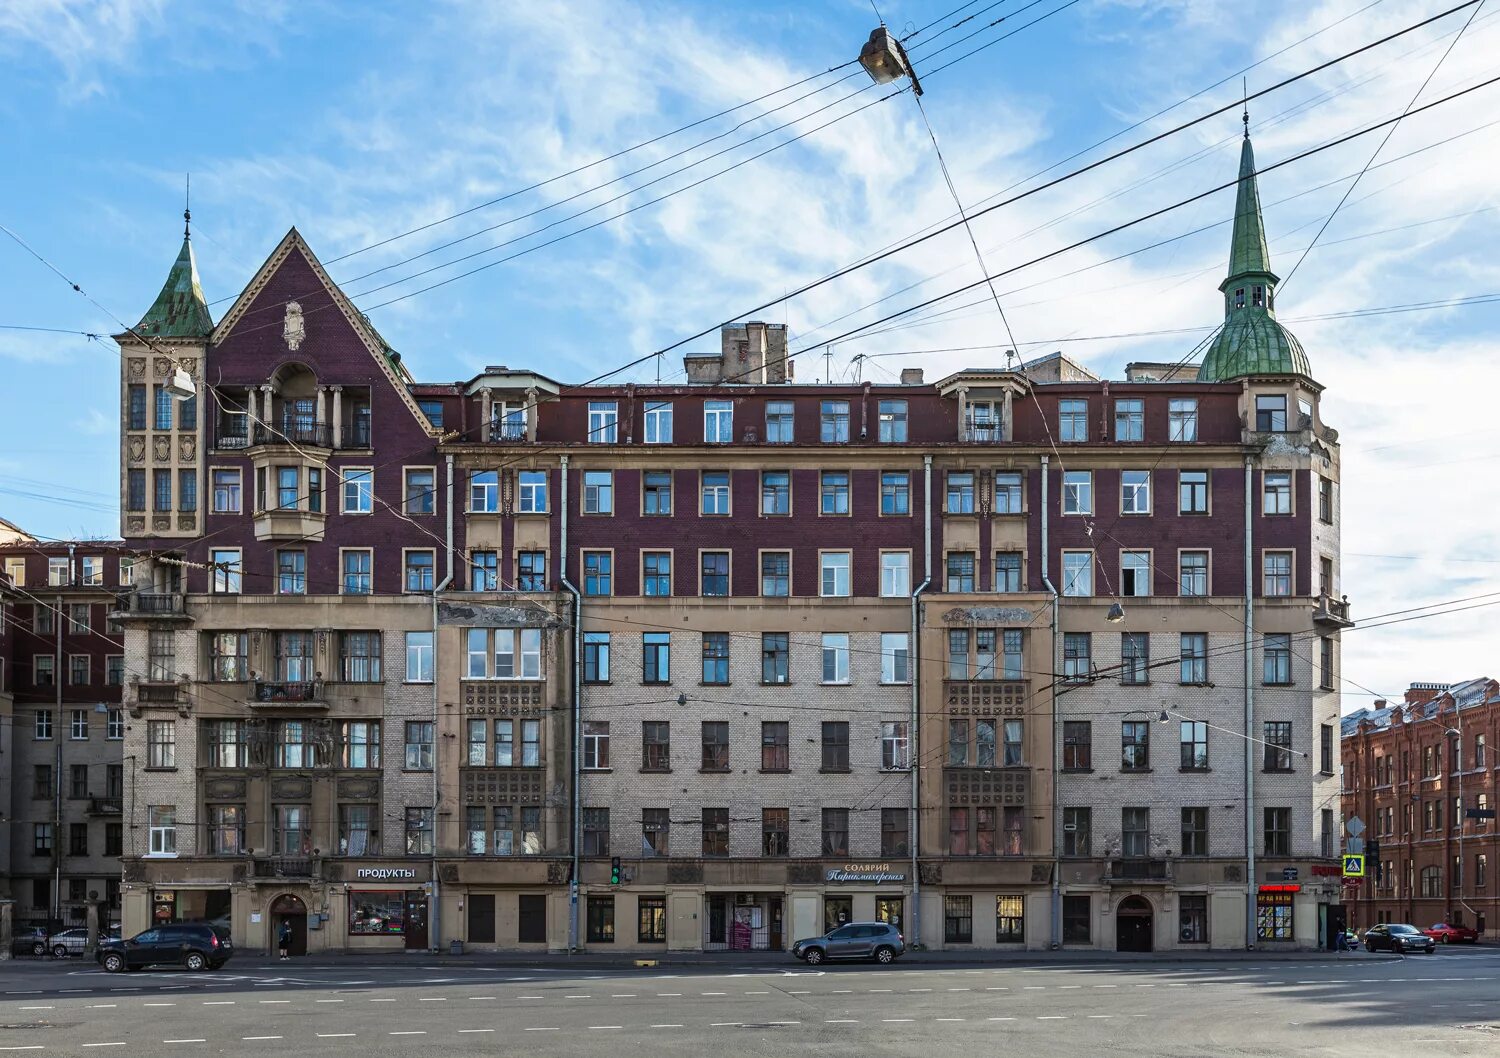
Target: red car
{"x":1446,"y":934}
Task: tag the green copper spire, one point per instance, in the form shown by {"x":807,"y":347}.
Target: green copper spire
{"x":1251,"y":342}
{"x":180,"y":310}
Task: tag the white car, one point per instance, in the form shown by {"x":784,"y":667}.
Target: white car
{"x":68,"y":942}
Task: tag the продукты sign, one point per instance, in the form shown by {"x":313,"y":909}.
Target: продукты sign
{"x":386,"y":872}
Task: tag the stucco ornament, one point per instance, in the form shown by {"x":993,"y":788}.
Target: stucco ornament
{"x":292,"y":328}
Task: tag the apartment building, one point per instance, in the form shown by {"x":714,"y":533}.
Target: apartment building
{"x":719,"y":663}
{"x":63,"y":729}
{"x":1419,"y":776}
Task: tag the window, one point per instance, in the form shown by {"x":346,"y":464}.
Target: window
{"x":1072,"y":420}
{"x":833,"y":570}
{"x":715,"y":831}
{"x":226,"y":491}
{"x":596,"y":745}
{"x":137,"y":412}
{"x":714,"y":573}
{"x":1278,"y":745}
{"x":1325,"y":500}
{"x":78,"y":670}
{"x":1077,"y":831}
{"x":775,"y":831}
{"x":983,"y":422}
{"x":894,"y":745}
{"x":532,"y":492}
{"x":41,"y":782}
{"x":114,"y":725}
{"x":1192,"y":492}
{"x":598,"y":572}
{"x":1479,"y":755}
{"x":658,"y":423}
{"x":835,"y":745}
{"x":1078,"y":745}
{"x":1192,"y":915}
{"x":1013,"y":743}
{"x":433,"y":409}
{"x":779,"y":422}
{"x":833,"y":422}
{"x":1276,"y":570}
{"x":1432,"y":882}
{"x":715,"y":743}
{"x":1135,"y":573}
{"x":492,"y":653}
{"x":478,"y":746}
{"x":1278,"y":831}
{"x":1182,"y":419}
{"x":895,"y":657}
{"x":1277,"y":658}
{"x":776,"y":574}
{"x":162,"y":829}
{"x":775,"y":745}
{"x":291,"y":572}
{"x":961,"y":571}
{"x":135,"y":490}
{"x":656,"y":745}
{"x":1481,"y":871}
{"x":833,"y":492}
{"x":1130,"y":420}
{"x":1135,"y":658}
{"x":892,"y":421}
{"x":161,"y":491}
{"x":531,"y":571}
{"x":596,"y":657}
{"x":1007,"y":571}
{"x":226,"y":830}
{"x":1194,"y":745}
{"x":775,"y":492}
{"x":958,"y":919}
{"x":295,"y":748}
{"x":1007,"y":492}
{"x":1276,"y":492}
{"x":419,"y":657}
{"x":484,"y":491}
{"x":656,"y":826}
{"x":78,"y":722}
{"x":656,"y":573}
{"x":895,"y":574}
{"x":958,"y":654}
{"x":603,"y":425}
{"x":1135,"y":832}
{"x":161,"y":744}
{"x":714,"y":493}
{"x":835,"y":832}
{"x":419,"y":836}
{"x":958,"y":743}
{"x":1193,"y":658}
{"x":656,"y":492}
{"x":1270,"y":414}
{"x":835,"y":657}
{"x":774,"y":657}
{"x":359,"y":834}
{"x":359,"y":744}
{"x":894,"y":832}
{"x":419,"y":570}
{"x":1326,"y":675}
{"x":1078,"y":662}
{"x":358,"y":572}
{"x":656,"y":657}
{"x":1192,"y":578}
{"x":718,"y":421}
{"x":359,"y":657}
{"x":1135,"y":745}
{"x":78,"y":784}
{"x":1078,"y":573}
{"x":476,"y":829}
{"x":114,"y":671}
{"x":1135,"y":492}
{"x":960,"y":494}
{"x":484,"y":571}
{"x":114,"y":845}
{"x":162,"y":399}
{"x":1078,"y":492}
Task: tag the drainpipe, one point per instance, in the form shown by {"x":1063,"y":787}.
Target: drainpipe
{"x":1250,"y":743}
{"x":576,"y":824}
{"x":912,"y":740}
{"x":437,"y":912}
{"x":1055,"y":937}
{"x":59,"y":663}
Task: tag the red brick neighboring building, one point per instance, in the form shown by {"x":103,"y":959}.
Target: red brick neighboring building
{"x":1412,"y":773}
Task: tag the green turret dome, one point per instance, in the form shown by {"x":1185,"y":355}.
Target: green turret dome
{"x":180,"y":310}
{"x":1251,"y":342}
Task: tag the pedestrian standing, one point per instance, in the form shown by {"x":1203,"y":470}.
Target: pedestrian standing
{"x":284,"y":939}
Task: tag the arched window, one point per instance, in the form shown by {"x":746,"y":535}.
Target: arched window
{"x":1432,"y":881}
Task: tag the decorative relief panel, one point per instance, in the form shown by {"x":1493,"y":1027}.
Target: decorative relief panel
{"x":995,"y":615}
{"x":136,"y":366}
{"x":502,"y":786}
{"x":161,"y":523}
{"x":287,"y":789}
{"x":503,"y":698}
{"x":223,"y":789}
{"x":161,"y":449}
{"x":163,"y":366}
{"x":135,"y":448}
{"x":986,"y":697}
{"x":558,"y":871}
{"x":135,"y":524}
{"x":187,"y":521}
{"x":359,"y":789}
{"x":187,"y":448}
{"x":987,"y":786}
{"x":685,"y":872}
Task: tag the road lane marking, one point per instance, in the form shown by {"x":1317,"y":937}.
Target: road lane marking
{"x":676,"y":1026}
{"x":725,"y":1024}
{"x":408,"y":1032}
{"x":1100,"y":1017}
{"x":439,"y":999}
{"x":950,"y":1019}
{"x":1052,"y":1017}
{"x":841,"y":1021}
{"x":392,"y":1000}
{"x":214,"y":1003}
{"x":894,"y":1021}
{"x":960,"y":989}
{"x":713,"y":993}
{"x":476,"y":1030}
{"x":541,"y":1028}
{"x":606,"y":1026}
{"x":28,"y":1047}
{"x":54,"y":1008}
{"x":327,"y":1000}
{"x":333,"y":1035}
{"x":188,"y":1041}
{"x":529,"y":997}
{"x":260,"y":1037}
{"x":768,"y":993}
{"x":675,"y":995}
{"x":112,"y":1043}
{"x":263,"y":1001}
{"x":623,"y":995}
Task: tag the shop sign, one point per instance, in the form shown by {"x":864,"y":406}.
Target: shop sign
{"x":386,"y":873}
{"x":865,"y":872}
{"x":1326,"y":870}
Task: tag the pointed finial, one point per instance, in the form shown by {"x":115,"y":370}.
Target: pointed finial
{"x":1245,"y":96}
{"x":187,"y":208}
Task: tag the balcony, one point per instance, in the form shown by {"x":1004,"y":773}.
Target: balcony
{"x":356,"y":435}
{"x":284,"y":867}
{"x":307,"y":693}
{"x":1133,"y":870}
{"x":299,"y":432}
{"x":156,"y":605}
{"x":105,"y":806}
{"x":159,"y":692}
{"x":231,"y":437}
{"x":1331,"y":611}
{"x":507,"y":431}
{"x":281,"y":523}
{"x":984,"y":432}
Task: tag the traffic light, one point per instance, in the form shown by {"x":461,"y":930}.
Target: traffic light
{"x":614,"y":870}
{"x":1373,"y":855}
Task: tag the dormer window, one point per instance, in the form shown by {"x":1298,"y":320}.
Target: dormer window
{"x":1239,"y":298}
{"x":1258,"y":296}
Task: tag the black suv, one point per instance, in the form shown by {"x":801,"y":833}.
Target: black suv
{"x":192,"y":945}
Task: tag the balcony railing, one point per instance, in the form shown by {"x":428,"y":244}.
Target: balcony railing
{"x":293,"y":431}
{"x":1139,"y":870}
{"x":984,"y":432}
{"x":507,"y":431}
{"x":104,"y":806}
{"x":284,"y":867}
{"x":356,"y":435}
{"x":293,"y":691}
{"x":231,"y":436}
{"x":153,"y":603}
{"x":158,"y":693}
{"x":1332,"y":611}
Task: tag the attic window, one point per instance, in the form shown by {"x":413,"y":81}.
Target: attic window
{"x":1259,"y":296}
{"x":1239,"y":298}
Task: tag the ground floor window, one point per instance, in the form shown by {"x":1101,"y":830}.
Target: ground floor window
{"x":889,"y":909}
{"x":601,"y":920}
{"x":837,"y":910}
{"x":1010,"y":920}
{"x":532,"y":925}
{"x":958,"y":919}
{"x":375,"y":912}
{"x":1192,"y":919}
{"x":1273,"y":916}
{"x":652,"y":919}
{"x":1076,"y":920}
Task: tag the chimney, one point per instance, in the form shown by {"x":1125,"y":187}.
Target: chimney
{"x":1422,"y":693}
{"x":911,"y":376}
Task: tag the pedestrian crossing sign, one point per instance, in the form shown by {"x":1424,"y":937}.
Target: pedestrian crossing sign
{"x":1354,"y":866}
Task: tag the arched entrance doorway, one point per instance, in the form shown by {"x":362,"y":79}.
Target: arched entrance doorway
{"x":292,"y":911}
{"x":1133,"y":924}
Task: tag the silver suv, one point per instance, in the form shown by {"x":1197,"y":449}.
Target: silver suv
{"x":856,"y":940}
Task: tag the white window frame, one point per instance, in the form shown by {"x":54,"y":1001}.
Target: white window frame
{"x":127,"y":572}
{"x":1182,"y":419}
{"x":406,"y":473}
{"x":1078,"y":572}
{"x":1131,"y":411}
{"x":114,"y":729}
{"x":723,"y":494}
{"x":1078,"y":494}
{"x":835,"y":653}
{"x":58,"y":572}
{"x":91,"y":571}
{"x":229,"y":581}
{"x":658,"y":430}
{"x":162,"y":831}
{"x":1138,"y":562}
{"x":833,"y":565}
{"x":1135,"y":497}
{"x":603,"y":422}
{"x":1073,"y":421}
{"x":234,"y":494}
{"x":484,"y":495}
{"x":895,"y":745}
{"x":718,"y":421}
{"x":895,"y":657}
{"x":1266,"y":557}
{"x":356,"y":490}
{"x":420,"y":653}
{"x":344,"y":552}
{"x":895,"y":574}
{"x":529,"y":492}
{"x":599,"y":493}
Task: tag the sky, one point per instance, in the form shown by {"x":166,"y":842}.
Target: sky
{"x":605,"y":229}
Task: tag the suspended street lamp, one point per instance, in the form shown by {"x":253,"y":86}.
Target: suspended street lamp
{"x":884,"y":59}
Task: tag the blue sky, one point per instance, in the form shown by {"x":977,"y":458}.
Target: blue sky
{"x":356,"y":123}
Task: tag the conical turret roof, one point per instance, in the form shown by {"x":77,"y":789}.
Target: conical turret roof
{"x":180,"y":310}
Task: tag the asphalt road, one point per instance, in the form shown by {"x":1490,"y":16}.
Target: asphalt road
{"x":1446,"y":1004}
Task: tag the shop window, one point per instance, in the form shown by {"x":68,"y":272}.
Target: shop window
{"x":1010,"y":920}
{"x":376,"y":913}
{"x":1076,"y":924}
{"x":651,"y":918}
{"x":958,"y":919}
{"x":601,"y":920}
{"x":1193,"y":916}
{"x":1273,"y":915}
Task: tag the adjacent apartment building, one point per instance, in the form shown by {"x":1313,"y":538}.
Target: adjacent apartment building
{"x":723,"y":661}
{"x":1419,"y":776}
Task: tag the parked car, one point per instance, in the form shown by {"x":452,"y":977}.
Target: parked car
{"x":192,"y":945}
{"x":68,"y":942}
{"x":1399,"y":938}
{"x":856,"y":940}
{"x":1444,"y":933}
{"x":28,"y":940}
